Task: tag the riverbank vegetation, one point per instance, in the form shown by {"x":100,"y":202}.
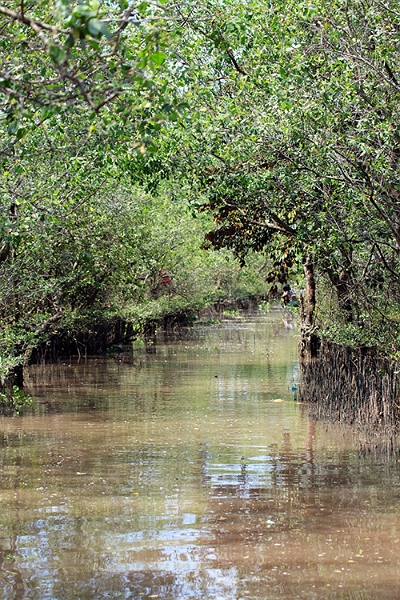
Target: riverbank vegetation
{"x":302,"y":154}
{"x":137,"y":136}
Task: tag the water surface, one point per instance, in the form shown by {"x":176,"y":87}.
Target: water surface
{"x":192,"y":472}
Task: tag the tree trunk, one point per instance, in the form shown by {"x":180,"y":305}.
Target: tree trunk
{"x":18,"y":376}
{"x":309,"y":340}
{"x":309,"y":304}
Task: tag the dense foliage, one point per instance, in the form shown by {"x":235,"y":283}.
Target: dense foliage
{"x":90,"y":231}
{"x":298,"y":125}
{"x":125,"y":126}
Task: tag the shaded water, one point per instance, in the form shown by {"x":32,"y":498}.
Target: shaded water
{"x":192,"y":473}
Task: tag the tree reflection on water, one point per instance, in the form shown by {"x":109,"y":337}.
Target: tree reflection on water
{"x":191,"y":473}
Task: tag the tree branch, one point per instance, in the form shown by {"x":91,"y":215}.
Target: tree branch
{"x":37,"y":26}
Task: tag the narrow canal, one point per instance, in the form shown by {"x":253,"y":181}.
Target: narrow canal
{"x":192,"y":472}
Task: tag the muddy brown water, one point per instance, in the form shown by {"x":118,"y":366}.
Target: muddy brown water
{"x":192,"y":472}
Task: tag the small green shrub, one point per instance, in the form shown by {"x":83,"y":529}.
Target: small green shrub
{"x":15,"y":402}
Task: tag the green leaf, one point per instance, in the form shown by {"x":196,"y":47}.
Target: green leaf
{"x":158,"y":57}
{"x":70,"y":41}
{"x":21,"y":132}
{"x":105,"y":30}
{"x":46,"y":112}
{"x":95,"y":27}
{"x":12,"y":128}
{"x":57,"y":54}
